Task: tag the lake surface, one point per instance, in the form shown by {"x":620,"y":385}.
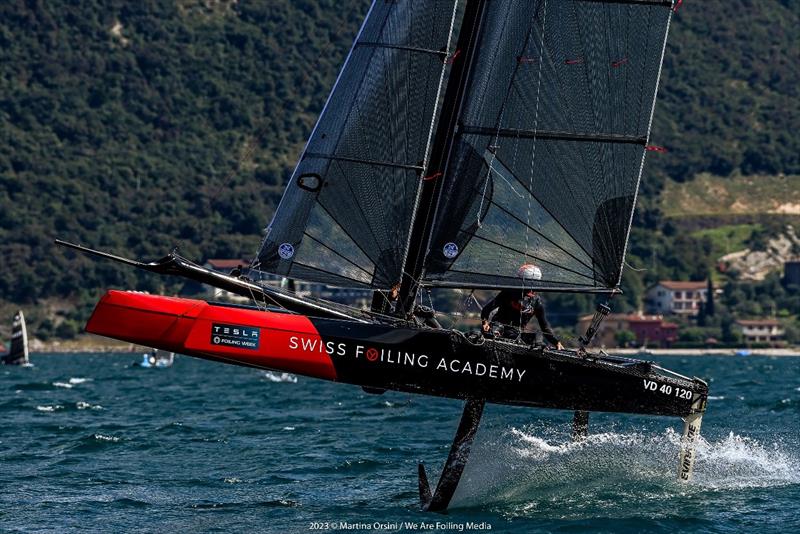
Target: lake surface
{"x":90,"y":443}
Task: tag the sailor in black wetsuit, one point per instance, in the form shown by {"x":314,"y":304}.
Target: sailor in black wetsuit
{"x":514,"y":311}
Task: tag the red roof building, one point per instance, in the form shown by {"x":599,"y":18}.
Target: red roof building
{"x":650,"y":330}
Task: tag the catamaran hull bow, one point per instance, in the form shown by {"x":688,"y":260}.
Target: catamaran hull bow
{"x":380,"y":357}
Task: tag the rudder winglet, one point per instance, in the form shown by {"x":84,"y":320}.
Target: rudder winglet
{"x":424,"y":487}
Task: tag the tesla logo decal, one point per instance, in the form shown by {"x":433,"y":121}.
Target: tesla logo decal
{"x":229,"y":335}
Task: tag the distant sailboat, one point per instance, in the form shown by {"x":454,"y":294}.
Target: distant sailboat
{"x":18,"y":352}
{"x":157,"y":358}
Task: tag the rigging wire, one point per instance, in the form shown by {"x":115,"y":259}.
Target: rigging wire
{"x":466,"y":303}
{"x":494,"y":146}
{"x":535,"y":123}
{"x":634,"y":269}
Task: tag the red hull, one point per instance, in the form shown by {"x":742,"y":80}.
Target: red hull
{"x":186,"y":326}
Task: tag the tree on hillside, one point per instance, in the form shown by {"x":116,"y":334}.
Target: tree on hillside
{"x":701,"y":315}
{"x":624,"y":338}
{"x":709,"y":307}
{"x":730,"y":335}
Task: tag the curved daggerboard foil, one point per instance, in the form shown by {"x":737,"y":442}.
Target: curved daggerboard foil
{"x":346,"y":213}
{"x":550,"y":145}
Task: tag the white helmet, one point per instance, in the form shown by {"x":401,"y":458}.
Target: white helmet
{"x":529,"y":271}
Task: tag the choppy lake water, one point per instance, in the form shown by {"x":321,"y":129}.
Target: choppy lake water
{"x":89,"y":443}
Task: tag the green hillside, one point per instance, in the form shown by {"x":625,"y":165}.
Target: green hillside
{"x":730,"y":88}
{"x":130,"y":139}
{"x":138,"y":126}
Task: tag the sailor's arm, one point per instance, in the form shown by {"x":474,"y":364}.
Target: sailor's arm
{"x":544,"y":325}
{"x":486,"y":312}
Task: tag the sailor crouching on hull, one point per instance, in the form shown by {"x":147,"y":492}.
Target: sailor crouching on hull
{"x":515,"y":309}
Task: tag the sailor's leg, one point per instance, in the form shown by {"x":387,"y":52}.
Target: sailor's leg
{"x":580,"y":425}
{"x":456,"y":460}
{"x":691,"y":434}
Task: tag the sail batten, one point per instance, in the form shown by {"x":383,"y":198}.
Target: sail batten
{"x":334,"y":157}
{"x":440,"y":53}
{"x":556,"y":135}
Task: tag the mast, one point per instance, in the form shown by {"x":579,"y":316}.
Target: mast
{"x":433,"y":179}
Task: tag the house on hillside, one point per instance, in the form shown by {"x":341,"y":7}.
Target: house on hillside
{"x":769,"y":331}
{"x":676,"y":298}
{"x":650,"y":330}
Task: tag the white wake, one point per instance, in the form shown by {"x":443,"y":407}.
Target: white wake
{"x":520,"y":466}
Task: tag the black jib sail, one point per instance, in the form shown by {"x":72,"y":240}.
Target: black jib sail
{"x":541,"y":185}
{"x":346,"y":213}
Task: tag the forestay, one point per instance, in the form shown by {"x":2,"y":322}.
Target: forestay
{"x":346,"y":213}
{"x":550,"y":146}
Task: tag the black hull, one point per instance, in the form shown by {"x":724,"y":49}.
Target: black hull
{"x":447,"y":364}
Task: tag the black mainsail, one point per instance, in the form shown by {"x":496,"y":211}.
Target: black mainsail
{"x":541,"y":135}
{"x":550,"y":145}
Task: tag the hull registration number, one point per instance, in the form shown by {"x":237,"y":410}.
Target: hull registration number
{"x":667,"y":389}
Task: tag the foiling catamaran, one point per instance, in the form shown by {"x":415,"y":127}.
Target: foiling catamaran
{"x":18,"y":350}
{"x":506,"y":157}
